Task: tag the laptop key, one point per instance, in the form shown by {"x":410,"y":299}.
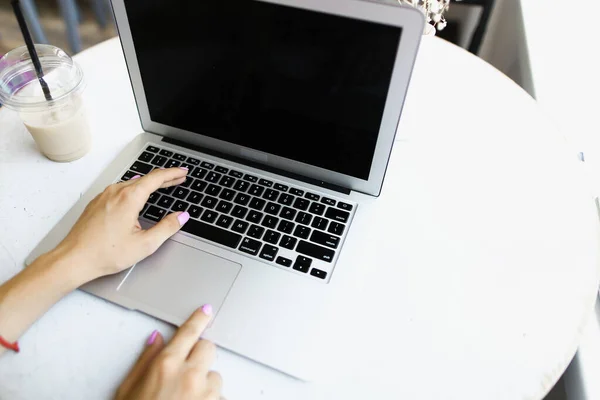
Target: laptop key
{"x":271,"y":195}
{"x":154,"y":213}
{"x":255,"y":231}
{"x":268,"y":252}
{"x":195,"y":197}
{"x":281,"y":187}
{"x":172,"y":164}
{"x":286,"y":199}
{"x":318,"y":273}
{"x":288,"y":242}
{"x":256,"y":190}
{"x":250,"y":178}
{"x":153,"y":197}
{"x":179,"y":157}
{"x":302,"y":264}
{"x":166,"y":153}
{"x":187,"y":182}
{"x":128,"y":175}
{"x":317,"y":208}
{"x":288,"y":213}
{"x":272,"y":208}
{"x":327,"y":200}
{"x":227,"y":194}
{"x":207,"y":165}
{"x":159,"y":161}
{"x":195,"y":211}
{"x":143,"y":210}
{"x":193,"y":161}
{"x":140,"y":167}
{"x":250,"y":246}
{"x":224,"y":221}
{"x":297,"y":192}
{"x":265,"y":182}
{"x":198,"y":185}
{"x":337,"y":215}
{"x":167,"y":190}
{"x":336,"y":228}
{"x":179,"y":206}
{"x":224,"y":206}
{"x":325,"y":239}
{"x":303,"y":218}
{"x":152,"y":149}
{"x":239,"y":211}
{"x":320,"y":223}
{"x":209,"y":202}
{"x":286,"y":262}
{"x":254,"y":216}
{"x":312,"y":196}
{"x":209,"y":216}
{"x":241,"y":186}
{"x":242,"y":199}
{"x":270,"y":221}
{"x":165,"y":201}
{"x":211,"y":232}
{"x":286,"y":226}
{"x":227,"y":181}
{"x":199,"y":173}
{"x":189,"y":167}
{"x":213,"y":177}
{"x":181,"y":193}
{"x":146,"y":157}
{"x":345,"y":206}
{"x":257,"y":203}
{"x":312,"y":250}
{"x":236,"y":174}
{"x":212,"y":189}
{"x":301,"y":204}
{"x":239,"y":226}
{"x":221,"y":170}
{"x":272,"y":236}
{"x":302,"y":231}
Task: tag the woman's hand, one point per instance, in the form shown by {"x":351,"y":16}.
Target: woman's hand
{"x":178,"y":371}
{"x":108,"y":238}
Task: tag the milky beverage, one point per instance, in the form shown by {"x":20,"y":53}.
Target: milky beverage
{"x":62,"y":134}
{"x":56,"y":120}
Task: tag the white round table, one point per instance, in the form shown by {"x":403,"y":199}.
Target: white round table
{"x":480,"y":267}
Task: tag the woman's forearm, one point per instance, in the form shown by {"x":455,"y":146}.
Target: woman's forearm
{"x":29,"y":294}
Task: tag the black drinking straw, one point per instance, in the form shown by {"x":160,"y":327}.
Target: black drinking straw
{"x":29,"y":42}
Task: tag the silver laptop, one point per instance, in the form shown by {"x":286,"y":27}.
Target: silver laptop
{"x":285,"y":113}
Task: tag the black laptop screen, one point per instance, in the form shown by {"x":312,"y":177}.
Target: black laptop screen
{"x":298,"y":84}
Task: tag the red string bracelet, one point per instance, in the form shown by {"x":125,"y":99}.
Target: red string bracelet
{"x":11,"y":346}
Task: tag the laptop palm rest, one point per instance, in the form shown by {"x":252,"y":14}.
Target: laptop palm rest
{"x":176,"y":280}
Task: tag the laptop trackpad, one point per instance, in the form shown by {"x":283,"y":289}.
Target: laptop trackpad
{"x":177,"y":279}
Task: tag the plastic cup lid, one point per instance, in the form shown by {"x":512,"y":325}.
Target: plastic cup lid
{"x":19,"y":86}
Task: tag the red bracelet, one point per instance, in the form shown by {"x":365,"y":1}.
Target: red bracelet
{"x":11,"y":346}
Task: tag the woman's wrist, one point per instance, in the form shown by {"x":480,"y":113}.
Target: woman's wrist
{"x":67,"y":268}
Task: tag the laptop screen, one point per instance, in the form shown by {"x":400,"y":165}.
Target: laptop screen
{"x":298,"y":84}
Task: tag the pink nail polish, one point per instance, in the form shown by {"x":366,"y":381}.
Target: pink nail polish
{"x":152,"y":337}
{"x":135,"y":177}
{"x":207,"y":309}
{"x":184,"y":168}
{"x":183,"y":218}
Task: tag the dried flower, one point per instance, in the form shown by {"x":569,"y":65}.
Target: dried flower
{"x":433,"y":9}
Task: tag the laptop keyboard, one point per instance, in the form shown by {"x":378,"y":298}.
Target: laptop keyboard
{"x":284,"y":226}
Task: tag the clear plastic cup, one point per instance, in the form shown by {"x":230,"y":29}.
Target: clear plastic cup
{"x":59,"y":127}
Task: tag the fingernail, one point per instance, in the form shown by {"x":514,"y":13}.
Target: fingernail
{"x":135,"y":177}
{"x":162,"y":168}
{"x":183,"y":218}
{"x":184,"y":168}
{"x":152,"y":337}
{"x":207,"y":309}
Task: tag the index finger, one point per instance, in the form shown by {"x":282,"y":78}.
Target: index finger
{"x":155,"y":179}
{"x":189,"y":333}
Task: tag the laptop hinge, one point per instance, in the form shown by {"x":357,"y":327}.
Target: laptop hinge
{"x":254,"y":164}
